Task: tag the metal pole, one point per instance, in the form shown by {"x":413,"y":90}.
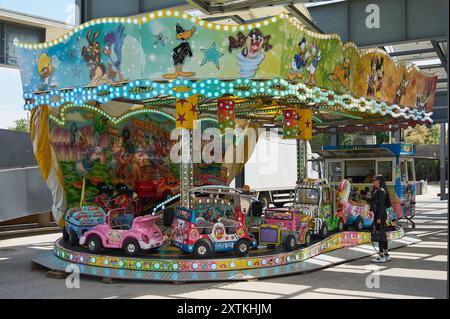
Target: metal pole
{"x":186,"y":171}
{"x":443,"y":167}
{"x":398,"y":136}
{"x":335,"y":137}
{"x":240,"y":178}
{"x":301,"y":160}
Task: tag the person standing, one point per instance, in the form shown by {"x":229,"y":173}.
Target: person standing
{"x":378,"y":204}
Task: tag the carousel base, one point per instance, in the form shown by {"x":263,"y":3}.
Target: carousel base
{"x":336,"y":249}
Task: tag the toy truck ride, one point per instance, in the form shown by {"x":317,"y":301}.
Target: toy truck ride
{"x":316,"y":199}
{"x":285,"y":227}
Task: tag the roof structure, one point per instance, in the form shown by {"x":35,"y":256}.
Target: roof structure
{"x":265,"y":67}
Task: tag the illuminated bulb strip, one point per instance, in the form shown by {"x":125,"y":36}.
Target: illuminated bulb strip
{"x":142,"y":20}
{"x":162,"y":205}
{"x":215,"y":88}
{"x":61,"y":121}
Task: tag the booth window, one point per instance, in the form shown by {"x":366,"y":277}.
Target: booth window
{"x":357,"y":171}
{"x":334,"y":172}
{"x":385,"y":169}
{"x":411,"y":175}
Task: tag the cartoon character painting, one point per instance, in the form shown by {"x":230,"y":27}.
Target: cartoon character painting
{"x":342,"y":73}
{"x":46,"y":68}
{"x":313,"y":61}
{"x":299,"y":62}
{"x":91,"y":55}
{"x":423,"y":99}
{"x":380,"y":75}
{"x":375,"y":77}
{"x":401,"y":90}
{"x":113,"y":50}
{"x":180,"y":53}
{"x":251,"y":55}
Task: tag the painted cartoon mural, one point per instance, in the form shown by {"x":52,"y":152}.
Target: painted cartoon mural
{"x":114,"y":50}
{"x":253,"y":47}
{"x":133,"y":153}
{"x":181,"y":52}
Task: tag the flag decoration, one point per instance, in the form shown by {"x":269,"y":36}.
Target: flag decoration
{"x":290,"y":123}
{"x":305,"y":124}
{"x":186,"y":112}
{"x":226,"y":114}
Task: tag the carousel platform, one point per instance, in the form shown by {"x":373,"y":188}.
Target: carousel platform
{"x":174,"y":267}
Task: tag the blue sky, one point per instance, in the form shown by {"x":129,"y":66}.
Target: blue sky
{"x":11,"y":102}
{"x":53,"y":9}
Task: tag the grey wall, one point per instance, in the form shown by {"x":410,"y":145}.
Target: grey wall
{"x":400,"y":21}
{"x":22,"y":189}
{"x":92,"y":9}
{"x":16,"y":149}
{"x":23,"y":192}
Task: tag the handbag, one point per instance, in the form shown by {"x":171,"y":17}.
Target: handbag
{"x":377,"y":235}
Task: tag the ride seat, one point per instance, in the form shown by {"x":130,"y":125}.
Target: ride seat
{"x":123,"y":222}
{"x":204,"y":226}
{"x":230,"y":225}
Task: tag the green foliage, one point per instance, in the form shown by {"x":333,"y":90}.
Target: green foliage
{"x":20,"y":126}
{"x":427,"y":169}
{"x":420,"y":134}
{"x":319,"y":140}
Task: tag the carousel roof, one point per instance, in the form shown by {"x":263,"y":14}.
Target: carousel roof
{"x":264,"y":67}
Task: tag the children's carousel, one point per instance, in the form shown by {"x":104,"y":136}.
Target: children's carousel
{"x":113,"y":98}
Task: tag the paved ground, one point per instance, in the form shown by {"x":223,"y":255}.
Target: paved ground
{"x":417,"y":271}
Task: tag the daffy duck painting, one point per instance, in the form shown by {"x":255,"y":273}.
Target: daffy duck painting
{"x":181,"y":52}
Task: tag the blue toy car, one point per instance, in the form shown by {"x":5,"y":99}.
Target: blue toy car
{"x":79,"y":220}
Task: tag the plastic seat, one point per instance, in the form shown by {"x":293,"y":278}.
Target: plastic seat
{"x":204,"y":226}
{"x":230,"y":225}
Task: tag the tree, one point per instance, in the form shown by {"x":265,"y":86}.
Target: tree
{"x":420,"y":134}
{"x":20,"y":126}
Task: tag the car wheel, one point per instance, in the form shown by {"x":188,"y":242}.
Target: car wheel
{"x":289,"y":243}
{"x":73,"y":237}
{"x":94,"y":244}
{"x":131,"y":247}
{"x":307,"y":239}
{"x":265,"y":200}
{"x":340,"y":226}
{"x":324,"y":230}
{"x":359,"y":224}
{"x":242,"y":247}
{"x":65,"y":234}
{"x":202,"y":249}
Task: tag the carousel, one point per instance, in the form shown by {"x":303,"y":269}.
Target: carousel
{"x":113,"y":98}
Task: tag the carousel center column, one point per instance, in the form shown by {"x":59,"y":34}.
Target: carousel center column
{"x":186,"y":115}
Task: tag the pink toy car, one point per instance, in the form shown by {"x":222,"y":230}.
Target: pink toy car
{"x":120,"y":231}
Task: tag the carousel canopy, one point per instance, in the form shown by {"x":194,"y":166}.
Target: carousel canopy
{"x":264,"y":67}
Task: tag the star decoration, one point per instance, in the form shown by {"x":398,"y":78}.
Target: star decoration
{"x":290,"y":40}
{"x":181,"y":118}
{"x":159,"y":38}
{"x":193,"y":108}
{"x":182,"y":101}
{"x":211,"y":55}
{"x":308,"y":123}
